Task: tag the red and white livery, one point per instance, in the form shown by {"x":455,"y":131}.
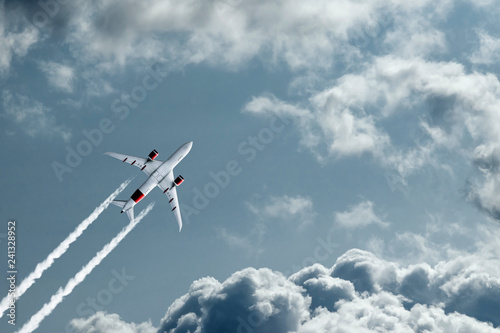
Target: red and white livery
{"x":160,"y":174}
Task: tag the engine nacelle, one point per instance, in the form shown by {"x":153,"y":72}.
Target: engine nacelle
{"x":178,"y":180}
{"x":152,"y":155}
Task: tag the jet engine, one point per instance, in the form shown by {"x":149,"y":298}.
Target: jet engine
{"x":152,"y":155}
{"x":178,"y":180}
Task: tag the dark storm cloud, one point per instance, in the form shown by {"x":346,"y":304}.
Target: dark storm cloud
{"x":249,"y":298}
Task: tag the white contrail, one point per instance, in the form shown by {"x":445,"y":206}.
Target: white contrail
{"x":60,"y":249}
{"x":58,"y":297}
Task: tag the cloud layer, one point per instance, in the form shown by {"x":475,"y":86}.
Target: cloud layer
{"x":359,"y":293}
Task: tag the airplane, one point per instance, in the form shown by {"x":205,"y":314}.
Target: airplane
{"x":160,"y":174}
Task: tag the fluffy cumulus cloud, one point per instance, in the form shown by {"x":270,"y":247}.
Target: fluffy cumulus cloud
{"x":349,"y":112}
{"x":16,"y":37}
{"x":32,"y":116}
{"x":345,"y":131}
{"x":248,"y":298}
{"x":359,"y":215}
{"x":59,"y":76}
{"x":110,"y":323}
{"x":289,"y":208}
{"x":359,"y":293}
{"x":489,"y":50}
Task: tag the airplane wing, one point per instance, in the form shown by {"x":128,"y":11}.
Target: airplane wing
{"x":142,"y":163}
{"x":166,"y":185}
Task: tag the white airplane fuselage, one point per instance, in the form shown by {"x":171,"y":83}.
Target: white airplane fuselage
{"x":158,"y":175}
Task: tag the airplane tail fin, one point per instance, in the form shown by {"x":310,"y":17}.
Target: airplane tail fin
{"x":121,"y":204}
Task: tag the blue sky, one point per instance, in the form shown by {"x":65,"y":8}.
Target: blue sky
{"x":362,"y":136}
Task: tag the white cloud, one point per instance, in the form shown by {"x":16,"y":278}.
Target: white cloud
{"x":345,"y":131}
{"x":350,"y":131}
{"x":489,"y":50}
{"x":109,"y":323}
{"x":32,"y":116}
{"x":16,"y":37}
{"x":59,"y":76}
{"x":359,"y":216}
{"x":485,"y":192}
{"x":385,"y":312}
{"x":296,"y":208}
{"x":308,"y":35}
{"x":466,"y":108}
{"x":416,"y":35}
{"x":299,"y":34}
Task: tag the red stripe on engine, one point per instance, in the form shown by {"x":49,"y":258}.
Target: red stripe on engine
{"x":137,"y":196}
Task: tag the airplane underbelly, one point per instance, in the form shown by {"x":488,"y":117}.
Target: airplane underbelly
{"x":157,"y":176}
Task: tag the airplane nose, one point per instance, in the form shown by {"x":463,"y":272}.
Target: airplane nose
{"x":189,"y":144}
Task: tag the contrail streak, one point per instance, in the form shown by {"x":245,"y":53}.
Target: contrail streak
{"x":60,"y":249}
{"x":58,"y":297}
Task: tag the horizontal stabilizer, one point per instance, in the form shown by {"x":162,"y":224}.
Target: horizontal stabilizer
{"x":130,"y":214}
{"x":119,"y":203}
